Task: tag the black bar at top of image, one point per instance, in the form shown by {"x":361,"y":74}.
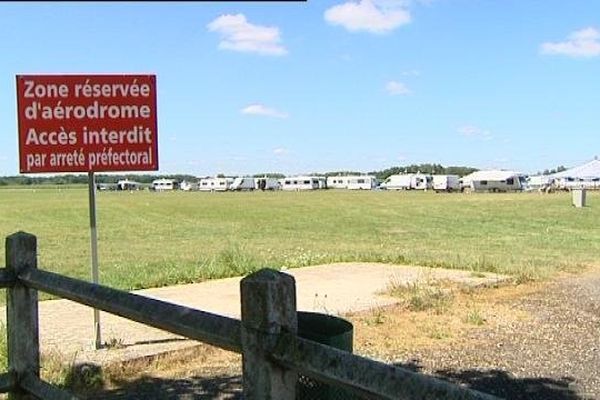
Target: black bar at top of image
{"x":166,"y":1}
{"x":182,"y":1}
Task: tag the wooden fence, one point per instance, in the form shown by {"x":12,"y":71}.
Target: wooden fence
{"x":272,"y":353}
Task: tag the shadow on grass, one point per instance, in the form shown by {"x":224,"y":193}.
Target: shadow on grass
{"x":495,"y":382}
{"x":505,"y":385}
{"x":150,"y":388}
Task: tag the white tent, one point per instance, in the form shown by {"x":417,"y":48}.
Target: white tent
{"x":583,"y":176}
{"x":585,"y":171}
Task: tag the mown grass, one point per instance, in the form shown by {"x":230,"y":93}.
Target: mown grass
{"x":154,"y":239}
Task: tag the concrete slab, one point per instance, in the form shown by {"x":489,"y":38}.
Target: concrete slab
{"x":67,"y":327}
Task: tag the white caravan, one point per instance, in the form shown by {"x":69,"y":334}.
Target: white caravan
{"x":446,"y":183}
{"x":338,"y":182}
{"x":397,"y":182}
{"x":243,"y":183}
{"x":161,"y":185}
{"x":214,"y":184}
{"x":492,"y":181}
{"x":267,"y":183}
{"x":421,"y":182}
{"x":188,"y":186}
{"x":301,"y":183}
{"x":407,"y":182}
{"x":352,"y":182}
{"x":365,"y":182}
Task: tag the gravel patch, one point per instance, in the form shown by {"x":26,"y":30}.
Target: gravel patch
{"x":554,"y":355}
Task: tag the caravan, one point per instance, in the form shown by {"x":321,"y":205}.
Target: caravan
{"x":267,"y":183}
{"x":214,"y":184}
{"x":445,"y":183}
{"x":492,"y":181}
{"x":249,"y":183}
{"x":421,"y":182}
{"x":188,"y":186}
{"x":416,"y":181}
{"x":303,"y":183}
{"x":126,"y":184}
{"x":243,"y":183}
{"x":352,"y":182}
{"x":365,"y":182}
{"x":337,"y":182}
{"x":161,"y":185}
{"x":397,"y":182}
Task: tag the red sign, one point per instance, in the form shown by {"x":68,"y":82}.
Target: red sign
{"x":87,"y":123}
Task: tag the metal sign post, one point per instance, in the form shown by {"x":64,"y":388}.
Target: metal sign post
{"x":94,"y":242}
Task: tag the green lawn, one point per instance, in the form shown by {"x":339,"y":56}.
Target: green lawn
{"x":152,"y":239}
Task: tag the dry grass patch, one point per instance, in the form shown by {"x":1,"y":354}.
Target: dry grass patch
{"x":435,"y":315}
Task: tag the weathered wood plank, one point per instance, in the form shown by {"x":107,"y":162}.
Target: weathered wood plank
{"x":199,"y":325}
{"x":8,"y":382}
{"x":268,"y":308}
{"x":7,"y":278}
{"x":42,"y":390}
{"x":22,"y":312}
{"x":368,"y":378}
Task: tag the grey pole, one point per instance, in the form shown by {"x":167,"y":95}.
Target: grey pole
{"x":94,"y":240}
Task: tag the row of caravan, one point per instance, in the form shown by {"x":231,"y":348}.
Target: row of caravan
{"x":295,"y":183}
{"x":440,"y":183}
{"x":447,"y":183}
{"x":478,"y":181}
{"x":584,"y":176}
{"x":237,"y":184}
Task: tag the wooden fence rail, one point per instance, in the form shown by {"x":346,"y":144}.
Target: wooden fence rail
{"x":272,"y":353}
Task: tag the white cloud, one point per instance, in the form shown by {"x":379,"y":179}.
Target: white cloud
{"x":238,"y":34}
{"x":471,"y":131}
{"x":280,"y":151}
{"x":396,"y":88}
{"x":374,"y":16}
{"x":260,"y":109}
{"x":581,"y":43}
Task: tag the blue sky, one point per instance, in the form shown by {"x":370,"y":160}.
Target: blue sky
{"x":249,"y":87}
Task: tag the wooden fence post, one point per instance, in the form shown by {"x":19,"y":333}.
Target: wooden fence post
{"x":22,"y":312}
{"x":268,"y":308}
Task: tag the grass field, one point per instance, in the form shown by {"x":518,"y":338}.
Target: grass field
{"x":153,"y":239}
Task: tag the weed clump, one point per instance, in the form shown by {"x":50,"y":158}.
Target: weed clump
{"x":422,"y":296}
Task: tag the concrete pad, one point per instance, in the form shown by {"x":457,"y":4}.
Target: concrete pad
{"x":67,"y":327}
